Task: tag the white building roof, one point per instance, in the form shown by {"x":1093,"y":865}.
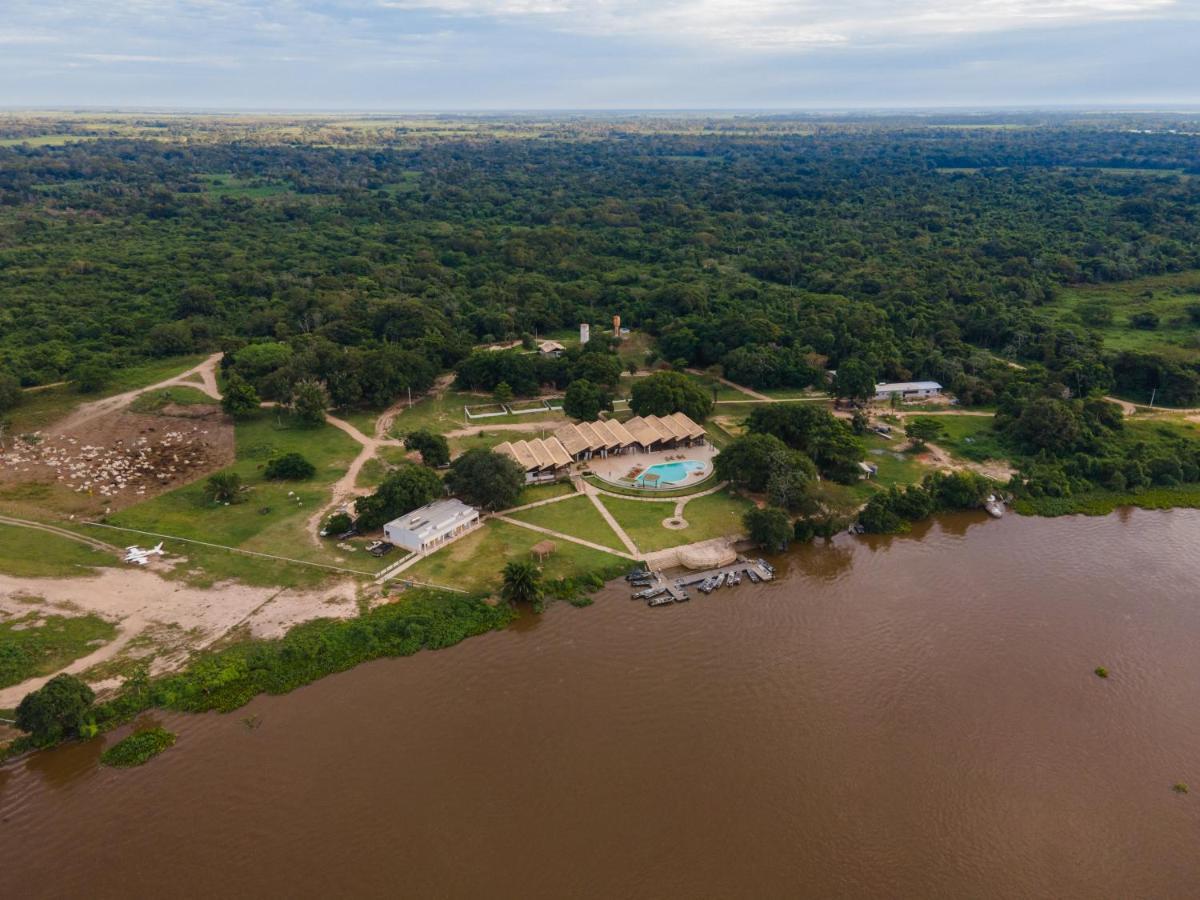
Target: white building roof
{"x":899,"y":387}
{"x":434,"y":519}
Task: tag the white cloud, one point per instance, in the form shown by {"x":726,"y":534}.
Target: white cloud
{"x":780,"y":24}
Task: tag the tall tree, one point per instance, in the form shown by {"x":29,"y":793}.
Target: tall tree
{"x":585,"y":401}
{"x":309,"y":402}
{"x":485,"y":479}
{"x":769,"y":527}
{"x":57,"y":710}
{"x":434,"y":448}
{"x":402,"y":490}
{"x":664,"y":393}
{"x":855,"y":380}
{"x":522,"y":583}
{"x":240,"y":399}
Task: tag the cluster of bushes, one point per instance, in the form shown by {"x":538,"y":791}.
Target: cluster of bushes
{"x":893,"y":510}
{"x":138,"y":748}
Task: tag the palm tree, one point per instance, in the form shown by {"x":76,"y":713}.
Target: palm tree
{"x":522,"y":583}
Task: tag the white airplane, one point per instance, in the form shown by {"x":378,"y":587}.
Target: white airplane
{"x":140,"y":557}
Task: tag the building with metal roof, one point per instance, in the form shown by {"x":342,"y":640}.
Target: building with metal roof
{"x":908,"y":390}
{"x":431,"y":526}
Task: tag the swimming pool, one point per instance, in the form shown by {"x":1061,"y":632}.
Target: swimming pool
{"x":671,"y":473}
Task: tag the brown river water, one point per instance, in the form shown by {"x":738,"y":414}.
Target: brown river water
{"x":894,"y":717}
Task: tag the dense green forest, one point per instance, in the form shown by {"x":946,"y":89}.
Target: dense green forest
{"x":774,"y":255}
{"x":774,"y":248}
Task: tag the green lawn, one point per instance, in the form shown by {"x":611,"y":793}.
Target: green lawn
{"x":575,"y":516}
{"x":36,"y":554}
{"x":708,"y":517}
{"x":970,"y":437}
{"x":535,"y":492}
{"x":267,"y":519}
{"x":476,"y":563}
{"x":33,"y":645}
{"x":373,"y":470}
{"x":895,"y":466}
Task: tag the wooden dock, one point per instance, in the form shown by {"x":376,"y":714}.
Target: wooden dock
{"x":676,"y":588}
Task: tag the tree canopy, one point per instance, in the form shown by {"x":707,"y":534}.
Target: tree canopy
{"x":664,"y":393}
{"x":486,"y":479}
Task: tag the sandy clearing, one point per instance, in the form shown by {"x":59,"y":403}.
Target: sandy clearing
{"x":139,"y":600}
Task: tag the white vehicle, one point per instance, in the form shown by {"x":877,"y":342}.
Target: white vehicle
{"x":140,"y":557}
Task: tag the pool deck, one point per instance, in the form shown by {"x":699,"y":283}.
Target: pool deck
{"x":615,"y":468}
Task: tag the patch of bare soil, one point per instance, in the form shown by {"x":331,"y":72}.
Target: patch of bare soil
{"x":122,"y":458}
{"x":164,"y":622}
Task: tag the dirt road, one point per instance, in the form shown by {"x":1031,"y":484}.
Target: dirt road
{"x":206,"y":372}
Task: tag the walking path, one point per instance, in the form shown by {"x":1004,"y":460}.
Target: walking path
{"x":590,"y":492}
{"x":564,"y":537}
{"x":127,"y":630}
{"x":737,"y":387}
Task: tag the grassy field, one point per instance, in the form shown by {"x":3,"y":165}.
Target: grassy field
{"x":575,"y":516}
{"x":535,"y":492}
{"x":970,"y":437}
{"x":1167,"y":296}
{"x":36,"y":554}
{"x":267,"y":520}
{"x":229,"y":185}
{"x":445,"y":413}
{"x":373,"y":470}
{"x":153,"y":401}
{"x":476,"y":563}
{"x":33,"y":645}
{"x":708,"y":517}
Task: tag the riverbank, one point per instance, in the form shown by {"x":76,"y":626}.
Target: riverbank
{"x":227,"y":678}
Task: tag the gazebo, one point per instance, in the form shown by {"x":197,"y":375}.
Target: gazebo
{"x":542,"y":549}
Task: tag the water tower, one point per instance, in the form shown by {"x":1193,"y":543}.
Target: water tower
{"x":584,"y":332}
{"x":616,"y":326}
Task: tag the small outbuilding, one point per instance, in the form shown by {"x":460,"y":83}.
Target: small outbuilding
{"x":427,"y":528}
{"x":543,"y":549}
{"x":908,"y":390}
{"x":551,"y":348}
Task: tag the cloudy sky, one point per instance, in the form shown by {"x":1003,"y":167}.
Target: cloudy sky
{"x":597,"y":54}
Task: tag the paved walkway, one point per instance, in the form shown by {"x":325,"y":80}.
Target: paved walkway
{"x":565,"y":537}
{"x":590,"y":492}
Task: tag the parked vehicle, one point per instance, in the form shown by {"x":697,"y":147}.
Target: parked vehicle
{"x":380,"y":548}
